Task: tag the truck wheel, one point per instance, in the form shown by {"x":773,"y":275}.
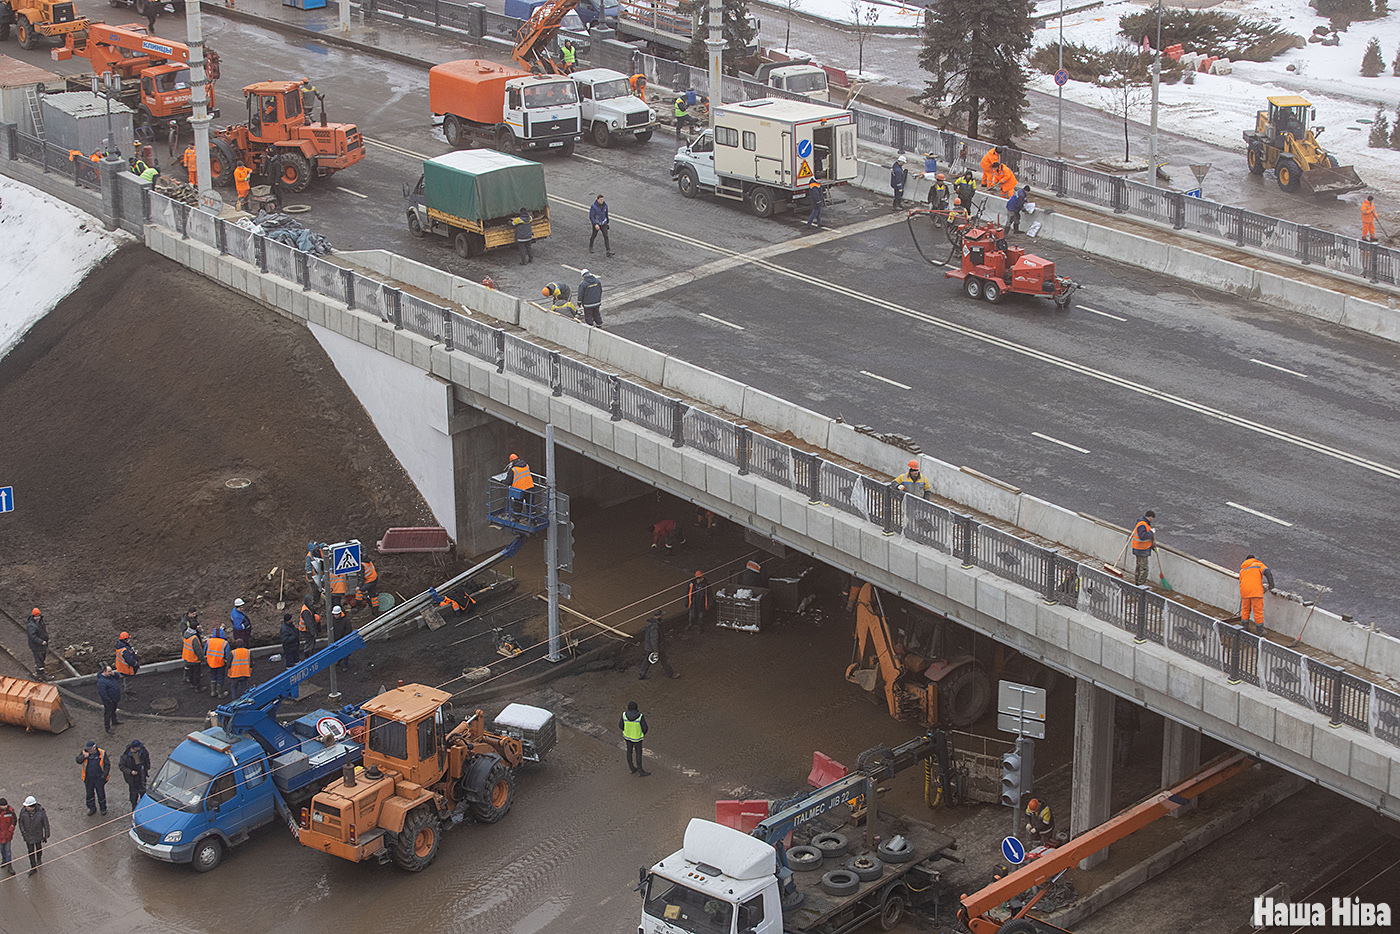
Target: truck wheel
{"x":963,"y":697}
{"x":25,"y":32}
{"x":1019,"y":926}
{"x":220,"y":164}
{"x":867,"y":868}
{"x":688,"y":183}
{"x":569,"y":146}
{"x":452,"y":129}
{"x":892,"y":912}
{"x":642,"y":135}
{"x":840,"y":882}
{"x":992,"y":291}
{"x":505,"y":141}
{"x":832,"y":844}
{"x":804,"y":858}
{"x":973,"y":287}
{"x":207,"y":854}
{"x":139,"y":6}
{"x":415,"y":229}
{"x":461,"y":242}
{"x":1255,"y":158}
{"x":500,"y":786}
{"x":1288,"y":175}
{"x":602,"y":135}
{"x":416,"y":845}
{"x":761,"y":201}
{"x":291,"y":171}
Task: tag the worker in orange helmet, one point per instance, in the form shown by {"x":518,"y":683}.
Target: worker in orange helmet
{"x":38,"y":642}
{"x":1253,"y":576}
{"x":913,"y":481}
{"x":127,"y":662}
{"x":522,"y":481}
{"x":1040,"y":821}
{"x":698,"y":597}
{"x":992,"y":157}
{"x":1005,"y":180}
{"x":1368,"y":220}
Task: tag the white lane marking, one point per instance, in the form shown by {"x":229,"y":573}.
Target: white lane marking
{"x":1095,"y":311}
{"x":728,"y":324}
{"x":884,"y":379}
{"x":1072,"y":447}
{"x":1281,"y":369}
{"x":397,"y":149}
{"x":587,"y":159}
{"x":349,"y":192}
{"x":574,"y":268}
{"x":1262,"y":515}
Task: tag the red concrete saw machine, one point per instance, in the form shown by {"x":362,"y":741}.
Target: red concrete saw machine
{"x":991,"y":269}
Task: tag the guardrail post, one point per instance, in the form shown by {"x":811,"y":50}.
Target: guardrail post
{"x":447,"y":331}
{"x":1372,"y":264}
{"x":887,"y":506}
{"x":1178,"y":210}
{"x":614,"y":397}
{"x":146,"y":204}
{"x":393,"y":304}
{"x":303,"y":262}
{"x":814,"y":476}
{"x":1334,"y":706}
{"x":556,"y":374}
{"x":11,"y":132}
{"x":74,"y":164}
{"x":221,"y":236}
{"x":1239,"y":229}
{"x":1232,"y":655}
{"x":1140,"y":610}
{"x":897,"y":134}
{"x":1051,"y":565}
{"x":500,"y":351}
{"x":347,"y":278}
{"x":968,"y":553}
{"x":437,"y":12}
{"x":950,"y":148}
{"x":1061,"y":170}
{"x":184,"y":211}
{"x":1304,"y":244}
{"x":741,"y":449}
{"x":677,"y":423}
{"x":259,"y":251}
{"x":1120,"y":194}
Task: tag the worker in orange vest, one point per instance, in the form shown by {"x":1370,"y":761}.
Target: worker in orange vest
{"x":193,"y":655}
{"x":697,"y":598}
{"x":521,"y":483}
{"x":338,"y":587}
{"x":127,"y":662}
{"x":240,"y":670}
{"x":240,"y":181}
{"x":191,"y":166}
{"x":992,"y":157}
{"x":1004,"y":179}
{"x":216,"y":657}
{"x":1143,"y":541}
{"x":1368,"y":220}
{"x":308,"y":623}
{"x":638,"y":83}
{"x":369,"y":580}
{"x":1253,"y":574}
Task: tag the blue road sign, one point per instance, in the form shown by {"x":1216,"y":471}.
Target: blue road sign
{"x":804,"y":148}
{"x":345,"y":558}
{"x":1194,"y":193}
{"x":1013,"y":850}
{"x":7,"y":499}
{"x":1061,"y":77}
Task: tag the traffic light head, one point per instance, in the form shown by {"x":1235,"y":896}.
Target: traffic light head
{"x":1011,"y":779}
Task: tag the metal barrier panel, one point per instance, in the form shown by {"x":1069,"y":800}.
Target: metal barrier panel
{"x":1385,"y":714}
{"x":1206,"y":217}
{"x":1341,"y":695}
{"x":1093,"y":187}
{"x":31,"y":149}
{"x":1010,"y":557}
{"x":844,"y":489}
{"x":281,"y":259}
{"x":871,"y":127}
{"x":711,"y":434}
{"x":928,"y":523}
{"x":201,"y":227}
{"x":770,"y":459}
{"x":474,"y":338}
{"x":643,"y":407}
{"x":163,"y":213}
{"x":240,"y":242}
{"x":369,"y":296}
{"x":503,"y":26}
{"x":455,"y":16}
{"x":1272,"y":234}
{"x":530,"y":361}
{"x":421,"y":316}
{"x":585,"y":383}
{"x":1107,"y":597}
{"x":1285,"y":673}
{"x":1193,"y":634}
{"x":1249,"y":652}
{"x":88,"y":174}
{"x":1147,"y":201}
{"x":1036,"y":171}
{"x":326,"y":278}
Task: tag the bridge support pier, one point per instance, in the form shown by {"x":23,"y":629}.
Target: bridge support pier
{"x":1181,"y":757}
{"x":1091,"y":792}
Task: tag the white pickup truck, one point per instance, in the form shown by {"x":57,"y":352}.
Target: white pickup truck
{"x":610,"y":109}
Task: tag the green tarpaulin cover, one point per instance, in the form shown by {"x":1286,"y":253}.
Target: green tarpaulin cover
{"x":480,"y":184}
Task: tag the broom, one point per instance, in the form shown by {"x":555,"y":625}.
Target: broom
{"x":1113,"y":568}
{"x":1166,"y":584}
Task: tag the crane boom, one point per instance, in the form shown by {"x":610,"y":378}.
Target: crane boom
{"x":533,"y":37}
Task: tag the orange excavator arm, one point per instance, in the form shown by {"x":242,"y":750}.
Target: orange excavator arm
{"x":534,"y":35}
{"x":976,"y":905}
{"x":873,"y":636}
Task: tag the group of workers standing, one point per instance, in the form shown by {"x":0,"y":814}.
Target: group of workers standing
{"x":1255,"y":576}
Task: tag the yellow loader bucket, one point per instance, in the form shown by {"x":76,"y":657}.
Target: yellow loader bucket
{"x":32,"y":705}
{"x":1331,"y":180}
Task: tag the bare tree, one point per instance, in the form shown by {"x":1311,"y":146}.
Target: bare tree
{"x":1127,"y":88}
{"x":794,"y":4}
{"x":864,"y":16}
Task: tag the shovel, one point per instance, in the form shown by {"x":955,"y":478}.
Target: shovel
{"x":1166,"y":584}
{"x":281,"y":592}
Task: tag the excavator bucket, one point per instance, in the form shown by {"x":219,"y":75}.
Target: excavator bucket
{"x":867,"y":678}
{"x":1331,"y":180}
{"x":32,"y":705}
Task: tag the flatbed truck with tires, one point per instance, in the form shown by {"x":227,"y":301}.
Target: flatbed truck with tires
{"x":768,"y":152}
{"x":725,"y":880}
{"x":483,"y":104}
{"x":473,"y":198}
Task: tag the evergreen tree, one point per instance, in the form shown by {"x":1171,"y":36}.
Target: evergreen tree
{"x":1395,"y":132}
{"x":738,"y":36}
{"x":1372,"y":64}
{"x":974,"y":51}
{"x":1380,"y":131}
{"x":1382,"y":8}
{"x":1395,"y":65}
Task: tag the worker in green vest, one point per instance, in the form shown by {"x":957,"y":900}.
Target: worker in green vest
{"x":633,"y":724}
{"x":569,"y":54}
{"x":144,"y":172}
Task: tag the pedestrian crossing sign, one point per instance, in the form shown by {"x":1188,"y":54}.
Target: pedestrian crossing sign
{"x":805,"y":171}
{"x":345,"y":558}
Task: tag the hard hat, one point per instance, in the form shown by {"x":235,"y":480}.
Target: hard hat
{"x":337,"y":611}
{"x":545,"y":291}
{"x":584,"y":272}
{"x":914,"y":465}
{"x":125,"y":635}
{"x":939,"y":176}
{"x":35,"y":612}
{"x":238,"y":601}
{"x":699,"y":573}
{"x":1033,"y":804}
{"x":30,"y":801}
{"x":957,"y":202}
{"x":903,"y":160}
{"x":512,"y":457}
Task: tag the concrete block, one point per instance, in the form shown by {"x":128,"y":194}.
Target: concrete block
{"x":717,"y":482}
{"x":845,"y":441}
{"x":648,"y":451}
{"x":367,"y":332}
{"x":1052,"y":626}
{"x":903,"y":562}
{"x":1220,"y":700}
{"x":692,"y":469}
{"x":1331,"y":748}
{"x":961,"y":587}
{"x":482,"y":378}
{"x":821,"y":526}
{"x":742,"y":493}
{"x":1395,"y":778}
{"x":845,"y":533}
{"x":687,"y":379}
{"x":1257,"y":715}
{"x":1061,"y":228}
{"x":601,"y":431}
{"x":624,"y":440}
{"x":1046,"y":519}
{"x":1371,"y":318}
{"x":794,"y":512}
{"x":1150,"y":668}
{"x":1184,"y":684}
{"x":1293,"y":731}
{"x":931,"y":572}
{"x":1118,"y":654}
{"x":1383,"y":654}
{"x":1315,"y":302}
{"x":1333,"y":634}
{"x":1085,"y":639}
{"x":976,"y":493}
{"x":668,"y":460}
{"x":1191,"y":266}
{"x":780,"y":415}
{"x":991,"y":597}
{"x":579,"y":424}
{"x":316,"y":312}
{"x":460,"y":367}
{"x":1021,"y":612}
{"x":874,"y":548}
{"x":1369,"y":765}
{"x":627,"y":356}
{"x":768,"y":506}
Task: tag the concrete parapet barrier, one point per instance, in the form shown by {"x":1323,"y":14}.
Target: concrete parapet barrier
{"x":844,"y":441}
{"x":1372,"y":318}
{"x":689,"y":380}
{"x":628,"y":357}
{"x":380,"y":261}
{"x":977,"y":493}
{"x":780,"y":415}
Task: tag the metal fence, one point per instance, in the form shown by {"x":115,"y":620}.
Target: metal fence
{"x":1146,"y":614}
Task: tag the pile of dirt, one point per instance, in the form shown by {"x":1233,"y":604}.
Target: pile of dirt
{"x":128,"y":410}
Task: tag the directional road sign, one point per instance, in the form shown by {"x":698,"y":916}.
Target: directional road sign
{"x":1194,"y":193}
{"x":804,"y":148}
{"x":1061,"y":77}
{"x":345,"y":558}
{"x":1012,"y":849}
{"x":7,"y":499}
{"x":1021,"y":709}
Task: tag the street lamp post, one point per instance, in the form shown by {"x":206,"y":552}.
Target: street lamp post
{"x":1156,"y":83}
{"x":1060,"y":104}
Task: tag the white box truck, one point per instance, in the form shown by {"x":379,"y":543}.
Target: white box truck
{"x":768,"y":152}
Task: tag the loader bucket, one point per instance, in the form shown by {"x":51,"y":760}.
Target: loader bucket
{"x":1332,"y":181}
{"x":32,"y":705}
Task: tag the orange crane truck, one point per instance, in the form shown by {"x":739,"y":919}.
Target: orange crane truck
{"x":163,"y":92}
{"x":422,"y":772}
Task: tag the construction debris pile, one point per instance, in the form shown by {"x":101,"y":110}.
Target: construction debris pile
{"x":286,"y":229}
{"x":176,"y":190}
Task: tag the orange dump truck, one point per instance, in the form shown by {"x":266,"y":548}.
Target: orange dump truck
{"x":481,"y":103}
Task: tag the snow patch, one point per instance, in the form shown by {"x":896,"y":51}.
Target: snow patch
{"x":49,"y":247}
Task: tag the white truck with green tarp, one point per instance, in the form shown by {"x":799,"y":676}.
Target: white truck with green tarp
{"x":472,"y":197}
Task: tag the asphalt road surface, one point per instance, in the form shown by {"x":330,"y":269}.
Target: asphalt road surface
{"x":1246,"y":429}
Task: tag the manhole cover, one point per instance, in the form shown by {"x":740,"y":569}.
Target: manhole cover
{"x":475,"y":674}
{"x":238,"y":483}
{"x":295,"y":208}
{"x":164,"y":704}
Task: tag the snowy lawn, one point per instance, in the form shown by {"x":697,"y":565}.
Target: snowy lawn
{"x":50,"y":247}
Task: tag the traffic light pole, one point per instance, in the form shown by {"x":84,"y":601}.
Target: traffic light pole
{"x":551,"y":545}
{"x":1018,"y":779}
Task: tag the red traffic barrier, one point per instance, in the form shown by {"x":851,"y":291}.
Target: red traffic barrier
{"x":825,"y":770}
{"x":730,"y":814}
{"x":415,"y":540}
{"x":752,"y":813}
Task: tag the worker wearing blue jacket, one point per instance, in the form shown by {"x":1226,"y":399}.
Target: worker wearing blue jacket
{"x":1014,"y":206}
{"x":598,"y":217}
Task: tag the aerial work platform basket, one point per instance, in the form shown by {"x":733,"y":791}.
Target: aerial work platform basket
{"x":522,"y":510}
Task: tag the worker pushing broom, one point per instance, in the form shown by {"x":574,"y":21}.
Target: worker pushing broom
{"x":1143,"y":541}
